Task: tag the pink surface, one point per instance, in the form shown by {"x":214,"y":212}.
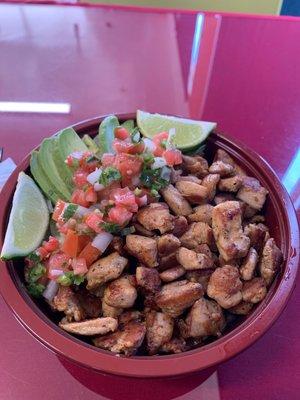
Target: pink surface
{"x":102,"y":60}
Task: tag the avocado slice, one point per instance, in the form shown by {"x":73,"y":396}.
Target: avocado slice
{"x":52,"y":169}
{"x":42,"y":179}
{"x":106,"y":134}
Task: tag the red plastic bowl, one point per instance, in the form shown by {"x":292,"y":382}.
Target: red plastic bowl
{"x":282,"y":221}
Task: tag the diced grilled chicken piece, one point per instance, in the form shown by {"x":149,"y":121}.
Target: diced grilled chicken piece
{"x":225,"y":286}
{"x":190,"y":178}
{"x":252,"y":193}
{"x":175,"y":297}
{"x":204,"y":249}
{"x":230,"y":184}
{"x":242,"y":308}
{"x":67,"y":302}
{"x":143,"y":248}
{"x":249,"y":212}
{"x":105,"y":270}
{"x":257,"y":219}
{"x":254,"y":291}
{"x":228,"y":232}
{"x":221,"y":168}
{"x":249,"y":264}
{"x":204,"y":319}
{"x":202,"y":213}
{"x":148,"y":279}
{"x":201,"y":276}
{"x":117,"y":244}
{"x":257,"y":234}
{"x":233,"y":262}
{"x":156,"y":216}
{"x":175,"y":346}
{"x":222,"y":155}
{"x":180,"y":226}
{"x":175,"y":175}
{"x":197,"y":165}
{"x":121,"y":293}
{"x":270,"y":261}
{"x":159,"y":330}
{"x":178,"y":204}
{"x":90,"y":327}
{"x":167,"y":244}
{"x":91,"y":304}
{"x":169,"y":261}
{"x":190,"y":260}
{"x":109,"y":311}
{"x":222,"y":197}
{"x":126,"y":340}
{"x":210,"y":182}
{"x":139,"y":229}
{"x":198,"y":233}
{"x":193,"y":192}
{"x":129,"y":316}
{"x":171,"y":274}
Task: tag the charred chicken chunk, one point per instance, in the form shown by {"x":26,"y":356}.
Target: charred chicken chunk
{"x":193,"y":192}
{"x":121,"y":293}
{"x":190,"y":260}
{"x":270,"y":261}
{"x":175,"y":297}
{"x":222,"y":155}
{"x":167,"y":244}
{"x":159,"y":330}
{"x":228,"y":232}
{"x":178,"y":204}
{"x":249,"y":264}
{"x":201,"y":276}
{"x":175,"y":346}
{"x":148,"y":278}
{"x":91,"y":304}
{"x":202,"y":213}
{"x":198,"y":233}
{"x":90,"y":327}
{"x":156,"y":216}
{"x":252,"y":193}
{"x":225,"y":286}
{"x":168,"y":261}
{"x":230,"y":184}
{"x":180,"y":226}
{"x":109,"y":311}
{"x":143,"y":248}
{"x":211,"y":182}
{"x":204,"y":249}
{"x":242,"y":308}
{"x":254,"y":291}
{"x":105,"y":270}
{"x":222,"y":197}
{"x":204,"y":319}
{"x":67,"y":302}
{"x":189,"y":178}
{"x":171,"y":274}
{"x":126,"y":340}
{"x":257,"y":234}
{"x":221,"y":168}
{"x":197,"y":165}
{"x":129,"y":316}
{"x":141,"y":230}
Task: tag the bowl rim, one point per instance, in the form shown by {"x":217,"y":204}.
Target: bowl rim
{"x":241,"y":337}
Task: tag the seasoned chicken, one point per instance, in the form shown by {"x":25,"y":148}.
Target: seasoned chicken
{"x":270,"y":261}
{"x":230,"y":184}
{"x":175,"y":175}
{"x":116,"y":244}
{"x":233,"y":262}
{"x":91,"y":304}
{"x":222,"y":197}
{"x":180,"y":226}
{"x":90,"y":327}
{"x":175,"y":297}
{"x":171,"y":274}
{"x":142,"y":231}
{"x":167,"y":244}
{"x":252,"y":193}
{"x":242,"y":308}
{"x":105,"y":270}
{"x":169,"y":261}
{"x":159,"y":330}
{"x":175,"y":346}
{"x":189,"y":178}
{"x":249,"y":212}
{"x":228,"y":232}
{"x":156,"y":216}
{"x":198,"y":233}
{"x":193,"y":192}
{"x":128,"y":316}
{"x":204,"y":249}
{"x":225,"y":286}
{"x":126,"y":340}
{"x":257,"y":234}
{"x":202,"y":213}
{"x":201,"y":276}
{"x":143,"y":248}
{"x":121,"y":293}
{"x":191,"y":260}
{"x":178,"y":204}
{"x":254,"y":291}
{"x":109,"y":311}
{"x":222,"y":155}
{"x":249,"y":264}
{"x":148,"y":278}
{"x":211,"y":182}
{"x":221,"y":168}
{"x":197,"y":165}
{"x":67,"y":302}
{"x":204,"y":319}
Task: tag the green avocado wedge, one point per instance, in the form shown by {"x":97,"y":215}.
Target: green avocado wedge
{"x":106,"y":134}
{"x":129,"y":125}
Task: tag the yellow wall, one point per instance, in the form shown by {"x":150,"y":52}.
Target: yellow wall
{"x":243,"y":6}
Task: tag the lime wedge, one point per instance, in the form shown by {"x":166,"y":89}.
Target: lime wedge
{"x":188,"y":133}
{"x":28,"y":221}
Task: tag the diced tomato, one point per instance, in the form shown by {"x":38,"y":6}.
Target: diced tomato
{"x":124,"y":197}
{"x":59,"y":207}
{"x":78,"y":197}
{"x":94,"y":222}
{"x":157,"y":139}
{"x":80,"y":178}
{"x":51,"y":245}
{"x":120,"y":146}
{"x":63,"y":228}
{"x":108,"y":159}
{"x":105,"y":193}
{"x":119,"y":215}
{"x":57,"y":262}
{"x":88,"y":162}
{"x":129,"y":166}
{"x":43,"y":253}
{"x":121,"y":133}
{"x":79,"y":266}
{"x":138,"y":148}
{"x":172,"y":157}
{"x":70,"y":244}
{"x":90,"y":254}
{"x":83,"y":240}
{"x":91,"y":195}
{"x":141,"y":201}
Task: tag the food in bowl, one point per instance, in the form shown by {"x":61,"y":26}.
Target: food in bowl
{"x":151,"y":251}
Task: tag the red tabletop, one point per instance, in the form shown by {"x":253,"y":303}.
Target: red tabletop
{"x":240,"y":71}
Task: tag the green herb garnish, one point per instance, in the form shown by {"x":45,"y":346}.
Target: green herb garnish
{"x":35,"y":289}
{"x":127,"y":231}
{"x":69,"y":278}
{"x":151,"y":178}
{"x":34,"y":257}
{"x":109,"y":175}
{"x":35,"y":273}
{"x":148,"y":158}
{"x":69,"y":211}
{"x":111,"y":227}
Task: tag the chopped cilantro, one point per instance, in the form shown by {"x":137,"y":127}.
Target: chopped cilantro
{"x":111,"y":227}
{"x":69,"y":278}
{"x":164,"y":143}
{"x":127,"y":231}
{"x":108,"y":175}
{"x":35,"y":273}
{"x":106,"y":209}
{"x":148,"y":158}
{"x":35,"y":289}
{"x":151,"y":178}
{"x":34,"y":257}
{"x":69,"y":211}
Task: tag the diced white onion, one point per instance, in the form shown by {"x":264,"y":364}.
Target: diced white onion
{"x":81,"y":211}
{"x":159,"y":162}
{"x":143,"y":200}
{"x":98,"y":187}
{"x":166,"y":173}
{"x":94,"y":176}
{"x":77,"y":154}
{"x":56,"y":272}
{"x":102,"y":240}
{"x":136,"y":180}
{"x":96,"y":206}
{"x":149,"y":145}
{"x":51,"y":290}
